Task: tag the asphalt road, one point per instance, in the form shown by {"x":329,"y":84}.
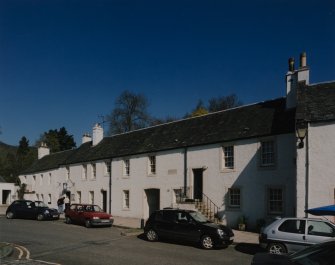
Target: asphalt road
{"x":58,"y":243}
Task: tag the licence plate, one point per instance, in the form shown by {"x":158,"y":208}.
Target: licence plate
{"x":105,"y":221}
{"x":55,"y":215}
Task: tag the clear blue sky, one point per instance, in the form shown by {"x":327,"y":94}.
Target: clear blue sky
{"x":63,"y":63}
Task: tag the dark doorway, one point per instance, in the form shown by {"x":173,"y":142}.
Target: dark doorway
{"x":197,"y":183}
{"x":5,"y":196}
{"x":104,"y":200}
{"x":153,"y":200}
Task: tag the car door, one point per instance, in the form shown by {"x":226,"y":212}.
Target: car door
{"x":186,"y":228}
{"x":292,"y":233}
{"x":164,"y":224}
{"x":27,"y":210}
{"x":318,"y":231}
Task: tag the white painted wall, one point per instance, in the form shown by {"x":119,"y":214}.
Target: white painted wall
{"x":321,"y":150}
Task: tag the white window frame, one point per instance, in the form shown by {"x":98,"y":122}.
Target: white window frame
{"x":232,"y":197}
{"x":108,"y":168}
{"x":126,"y":167}
{"x":275,"y":199}
{"x":93,"y":171}
{"x":126,"y":199}
{"x":152,"y":165}
{"x":228,"y":156}
{"x":91,"y":197}
{"x":84,"y":173}
{"x":79,"y":196}
{"x":267,"y":153}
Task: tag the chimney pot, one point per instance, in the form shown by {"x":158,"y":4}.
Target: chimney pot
{"x":303,"y":59}
{"x":291,"y":64}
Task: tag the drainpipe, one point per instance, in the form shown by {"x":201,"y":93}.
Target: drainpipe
{"x":110,"y":189}
{"x":185,"y":171}
{"x":307,"y":172}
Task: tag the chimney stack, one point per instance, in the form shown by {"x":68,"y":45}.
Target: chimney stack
{"x":293,"y":77}
{"x":43,"y":150}
{"x":86,"y":138}
{"x":98,"y":134}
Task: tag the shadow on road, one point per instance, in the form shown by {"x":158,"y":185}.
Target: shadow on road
{"x":178,"y":242}
{"x":248,"y":248}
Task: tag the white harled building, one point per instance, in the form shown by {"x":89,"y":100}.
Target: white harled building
{"x":246,"y":161}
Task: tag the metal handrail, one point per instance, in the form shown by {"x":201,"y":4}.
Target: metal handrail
{"x":210,"y":205}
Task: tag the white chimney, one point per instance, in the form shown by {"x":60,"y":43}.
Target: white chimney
{"x":98,"y":134}
{"x":86,"y":138}
{"x":43,"y":150}
{"x":293,"y":77}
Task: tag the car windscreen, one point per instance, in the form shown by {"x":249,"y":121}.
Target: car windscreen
{"x":93,"y":208}
{"x":199,"y":217}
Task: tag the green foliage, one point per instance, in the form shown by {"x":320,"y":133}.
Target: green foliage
{"x":16,"y":159}
{"x":57,"y":140}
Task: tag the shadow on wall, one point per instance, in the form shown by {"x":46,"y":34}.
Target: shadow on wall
{"x":253,"y":184}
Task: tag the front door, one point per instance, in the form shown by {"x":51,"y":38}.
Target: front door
{"x":104,"y":200}
{"x":153,"y":201}
{"x":197,"y":183}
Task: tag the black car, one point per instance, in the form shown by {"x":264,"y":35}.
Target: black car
{"x":187,"y":225}
{"x":319,"y":254}
{"x":31,"y":210}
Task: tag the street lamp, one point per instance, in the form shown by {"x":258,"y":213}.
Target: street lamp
{"x":301,"y":128}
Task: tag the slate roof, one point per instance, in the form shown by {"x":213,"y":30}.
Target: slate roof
{"x":257,"y":120}
{"x":316,"y":103}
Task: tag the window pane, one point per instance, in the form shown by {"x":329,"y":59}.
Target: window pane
{"x":267,"y":153}
{"x":275,"y":200}
{"x":234,"y":198}
{"x":228,"y":156}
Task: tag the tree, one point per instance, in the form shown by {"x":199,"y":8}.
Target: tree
{"x":199,"y":110}
{"x":130,"y":113}
{"x":223,"y":103}
{"x":57,"y":140}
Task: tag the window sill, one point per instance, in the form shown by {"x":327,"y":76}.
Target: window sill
{"x":227,"y":170}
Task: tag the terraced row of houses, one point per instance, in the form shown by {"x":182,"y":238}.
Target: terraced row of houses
{"x":247,"y":161}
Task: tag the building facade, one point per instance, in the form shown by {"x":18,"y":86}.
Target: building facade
{"x":244,"y":161}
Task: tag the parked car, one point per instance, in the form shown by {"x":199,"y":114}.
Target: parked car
{"x":186,"y":225}
{"x":31,"y":210}
{"x":88,"y":214}
{"x":287,"y":235}
{"x":318,"y":254}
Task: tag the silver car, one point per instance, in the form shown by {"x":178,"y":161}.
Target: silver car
{"x":288,"y":235}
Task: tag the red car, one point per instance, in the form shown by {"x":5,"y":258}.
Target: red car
{"x":88,"y":214}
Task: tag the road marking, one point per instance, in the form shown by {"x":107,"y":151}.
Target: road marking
{"x":24,"y":253}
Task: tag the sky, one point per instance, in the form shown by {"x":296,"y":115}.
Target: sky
{"x":64,"y":62}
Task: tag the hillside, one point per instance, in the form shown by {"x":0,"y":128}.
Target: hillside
{"x":5,"y":149}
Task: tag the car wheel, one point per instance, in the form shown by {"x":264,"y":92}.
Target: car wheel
{"x":207,"y":242}
{"x":10,"y":215}
{"x":40,"y":217}
{"x":68,"y":220}
{"x":88,"y":223}
{"x":152,"y":235}
{"x":276,"y":248}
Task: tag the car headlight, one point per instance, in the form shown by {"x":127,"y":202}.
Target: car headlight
{"x":46,"y":212}
{"x":221,"y":232}
{"x":95,"y":218}
{"x":111,"y":218}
